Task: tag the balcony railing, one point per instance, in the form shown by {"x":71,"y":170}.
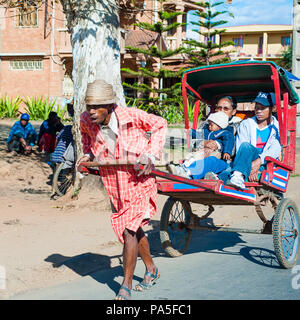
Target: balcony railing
{"x":172,"y":43}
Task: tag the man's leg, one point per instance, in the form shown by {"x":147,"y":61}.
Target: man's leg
{"x":151,"y":273}
{"x":243,"y":159}
{"x":130,"y":253}
{"x":242,"y":165}
{"x":144,"y":251}
{"x":199,"y":168}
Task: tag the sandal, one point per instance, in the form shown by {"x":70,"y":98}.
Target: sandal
{"x":147,"y":285}
{"x":122,"y":296}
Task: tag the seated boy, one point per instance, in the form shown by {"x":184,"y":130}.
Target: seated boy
{"x":199,"y":163}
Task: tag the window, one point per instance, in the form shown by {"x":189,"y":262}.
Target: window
{"x":27,"y":16}
{"x":26,"y":64}
{"x":260,"y":45}
{"x":238,"y":42}
{"x":286,"y":41}
{"x":130,"y":92}
{"x":211,"y":38}
{"x":172,"y":31}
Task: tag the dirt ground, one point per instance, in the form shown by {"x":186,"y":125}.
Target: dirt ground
{"x":41,"y":238}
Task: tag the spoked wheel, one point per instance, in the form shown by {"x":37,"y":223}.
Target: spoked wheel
{"x":286,"y":233}
{"x":63,"y":178}
{"x":174,"y":234}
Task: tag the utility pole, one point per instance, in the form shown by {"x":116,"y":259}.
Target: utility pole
{"x":296,"y":55}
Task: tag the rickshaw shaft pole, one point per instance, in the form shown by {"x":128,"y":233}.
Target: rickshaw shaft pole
{"x":225,"y":229}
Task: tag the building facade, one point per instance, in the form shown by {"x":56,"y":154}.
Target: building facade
{"x":257,"y":42}
{"x":36,"y":52}
{"x":30,"y":64}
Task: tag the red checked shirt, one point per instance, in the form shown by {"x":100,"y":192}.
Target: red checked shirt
{"x":133,"y":197}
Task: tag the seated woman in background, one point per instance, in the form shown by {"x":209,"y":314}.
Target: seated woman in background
{"x":48,"y":131}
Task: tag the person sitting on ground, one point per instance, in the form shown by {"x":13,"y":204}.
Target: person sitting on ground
{"x":48,"y":131}
{"x":64,"y":138}
{"x":22,"y":136}
{"x":257,"y":138}
{"x":217,"y":130}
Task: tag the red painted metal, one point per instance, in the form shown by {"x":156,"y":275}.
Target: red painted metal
{"x":291,"y":150}
{"x":279,"y":163}
{"x":196,"y":114}
{"x":282,"y":125}
{"x":185,"y":110}
{"x":184,"y":96}
{"x":192,"y":90}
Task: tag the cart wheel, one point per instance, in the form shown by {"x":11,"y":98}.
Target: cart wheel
{"x":286,"y":233}
{"x":62,"y":179}
{"x":174,"y":235}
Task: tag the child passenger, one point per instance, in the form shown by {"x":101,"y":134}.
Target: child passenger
{"x":196,"y":165}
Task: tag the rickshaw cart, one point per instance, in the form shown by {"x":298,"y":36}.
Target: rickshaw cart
{"x":242,"y":80}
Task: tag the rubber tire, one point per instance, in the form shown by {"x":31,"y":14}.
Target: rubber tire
{"x":164,"y":233}
{"x":277,"y":235}
{"x":55,"y":180}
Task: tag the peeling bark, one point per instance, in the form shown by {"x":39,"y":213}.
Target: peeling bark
{"x":95,"y":38}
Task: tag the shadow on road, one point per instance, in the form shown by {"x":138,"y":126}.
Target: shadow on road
{"x":216,"y":243}
{"x":87,"y":264}
{"x":263,"y":257}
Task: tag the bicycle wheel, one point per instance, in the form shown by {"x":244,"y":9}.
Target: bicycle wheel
{"x":174,"y":234}
{"x":286,"y":233}
{"x":63,"y":178}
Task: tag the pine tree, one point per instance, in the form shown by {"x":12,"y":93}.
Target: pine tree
{"x":286,"y":59}
{"x":153,"y":99}
{"x":200,"y":53}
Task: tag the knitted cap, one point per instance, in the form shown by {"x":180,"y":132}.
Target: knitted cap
{"x":219,"y":118}
{"x":100,"y":92}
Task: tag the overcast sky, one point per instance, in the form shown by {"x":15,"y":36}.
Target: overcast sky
{"x":255,"y":12}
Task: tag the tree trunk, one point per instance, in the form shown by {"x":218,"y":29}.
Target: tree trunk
{"x":95,"y":39}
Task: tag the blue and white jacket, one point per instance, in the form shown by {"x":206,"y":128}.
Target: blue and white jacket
{"x":224,"y":137}
{"x":21,"y":131}
{"x":247,"y":133}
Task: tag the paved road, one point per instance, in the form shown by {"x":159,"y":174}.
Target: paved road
{"x":217,"y":265}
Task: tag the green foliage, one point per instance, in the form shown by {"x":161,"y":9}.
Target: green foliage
{"x":191,"y":109}
{"x":38,"y":107}
{"x":62,"y":112}
{"x":9,"y":107}
{"x":286,"y":59}
{"x":160,"y":100}
{"x":173,"y":113}
{"x":201,"y":53}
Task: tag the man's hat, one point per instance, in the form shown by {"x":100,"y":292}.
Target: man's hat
{"x":266,"y":99}
{"x":25,"y":116}
{"x":219,"y":118}
{"x":100,"y":92}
